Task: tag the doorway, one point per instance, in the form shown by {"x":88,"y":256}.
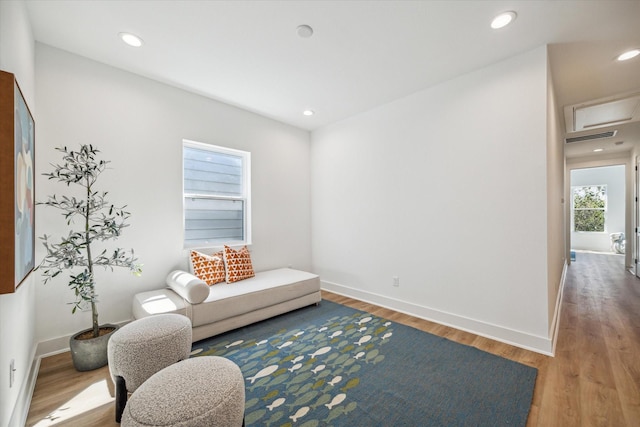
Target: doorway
{"x":598,"y":209}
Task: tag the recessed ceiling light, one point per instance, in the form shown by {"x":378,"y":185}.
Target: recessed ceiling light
{"x":629,"y":54}
{"x":597,"y":150}
{"x":131,"y":39}
{"x":308,"y":112}
{"x":304,"y":31}
{"x":503,"y":20}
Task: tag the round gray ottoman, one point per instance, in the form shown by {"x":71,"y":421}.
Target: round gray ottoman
{"x":206,"y":391}
{"x":143,"y":347}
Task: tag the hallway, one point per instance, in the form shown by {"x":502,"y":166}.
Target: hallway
{"x":594,"y":379}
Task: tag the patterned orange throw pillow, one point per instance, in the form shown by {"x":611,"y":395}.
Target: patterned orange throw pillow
{"x":238,"y":264}
{"x":209,"y":268}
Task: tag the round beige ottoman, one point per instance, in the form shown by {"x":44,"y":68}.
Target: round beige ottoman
{"x":206,"y":391}
{"x":143,"y":347}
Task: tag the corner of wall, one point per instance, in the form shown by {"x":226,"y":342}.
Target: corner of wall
{"x":556,"y":201}
{"x":555,"y":322}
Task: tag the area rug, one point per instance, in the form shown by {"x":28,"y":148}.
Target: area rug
{"x":331,"y":365}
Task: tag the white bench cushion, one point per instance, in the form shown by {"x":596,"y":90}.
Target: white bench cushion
{"x":227,"y":300}
{"x":263,"y":290}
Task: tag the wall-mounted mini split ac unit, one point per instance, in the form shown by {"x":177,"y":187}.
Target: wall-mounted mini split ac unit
{"x":601,"y":135}
{"x":605,"y":112}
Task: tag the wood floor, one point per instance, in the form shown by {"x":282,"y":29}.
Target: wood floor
{"x":594,"y":379}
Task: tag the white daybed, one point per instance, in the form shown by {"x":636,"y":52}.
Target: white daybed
{"x":225,"y":306}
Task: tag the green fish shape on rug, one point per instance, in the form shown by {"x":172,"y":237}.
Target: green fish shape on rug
{"x":304,"y":375}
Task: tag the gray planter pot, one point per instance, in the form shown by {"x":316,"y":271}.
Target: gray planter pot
{"x":90,"y":354}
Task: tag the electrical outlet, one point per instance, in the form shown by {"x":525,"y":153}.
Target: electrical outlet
{"x":396,"y":281}
{"x":12,"y":372}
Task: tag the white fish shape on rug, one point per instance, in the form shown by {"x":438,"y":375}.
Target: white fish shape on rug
{"x":363,"y":340}
{"x":335,"y":380}
{"x":336,"y":400}
{"x":318,"y":368}
{"x":263,"y":373}
{"x":235,"y":343}
{"x":363,"y":321}
{"x":299,"y":413}
{"x":295,"y":367}
{"x":276,"y":403}
{"x":323,"y":350}
{"x":287,"y":344}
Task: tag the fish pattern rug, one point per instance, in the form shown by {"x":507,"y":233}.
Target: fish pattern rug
{"x":330,"y":365}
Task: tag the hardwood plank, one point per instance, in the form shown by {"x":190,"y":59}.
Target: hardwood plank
{"x":603,"y":408}
{"x":624,"y":350}
{"x":593,"y":380}
{"x":560,"y":405}
{"x":58,"y":383}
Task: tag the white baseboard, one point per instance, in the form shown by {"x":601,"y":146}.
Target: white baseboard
{"x":52,"y":346}
{"x":509,"y":336}
{"x":43,"y":349}
{"x":21,"y":408}
{"x":61,"y":344}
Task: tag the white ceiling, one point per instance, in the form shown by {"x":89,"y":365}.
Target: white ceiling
{"x":362,"y":54}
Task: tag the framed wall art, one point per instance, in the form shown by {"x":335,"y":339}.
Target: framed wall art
{"x":17,"y":186}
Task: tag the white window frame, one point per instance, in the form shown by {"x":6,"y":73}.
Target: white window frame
{"x":245,"y":197}
{"x":604,"y":210}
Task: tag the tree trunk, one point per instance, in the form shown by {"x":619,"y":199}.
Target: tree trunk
{"x":87,"y":239}
{"x":94,"y":315}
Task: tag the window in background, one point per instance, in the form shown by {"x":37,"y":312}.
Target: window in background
{"x":589,"y":208}
{"x":216,"y":189}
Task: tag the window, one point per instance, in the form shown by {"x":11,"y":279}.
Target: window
{"x":589,"y":208}
{"x":216,"y":191}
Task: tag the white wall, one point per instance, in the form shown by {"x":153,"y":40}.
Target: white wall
{"x":17,"y":311}
{"x":614,"y":178}
{"x":139,"y":125}
{"x":446,"y":189}
{"x":556,"y":237}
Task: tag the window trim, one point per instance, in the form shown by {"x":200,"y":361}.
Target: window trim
{"x":245,"y":197}
{"x":604,"y":209}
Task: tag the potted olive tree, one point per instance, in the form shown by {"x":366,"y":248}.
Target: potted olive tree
{"x":92,"y":221}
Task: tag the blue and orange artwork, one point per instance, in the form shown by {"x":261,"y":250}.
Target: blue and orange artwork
{"x":24,"y":189}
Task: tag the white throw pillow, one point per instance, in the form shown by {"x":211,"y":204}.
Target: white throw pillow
{"x":188,"y":286}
